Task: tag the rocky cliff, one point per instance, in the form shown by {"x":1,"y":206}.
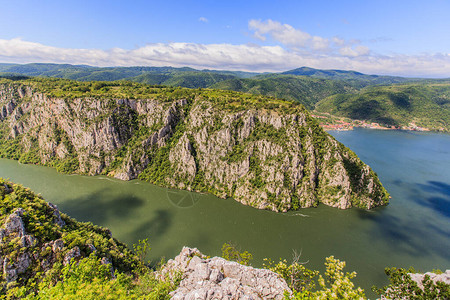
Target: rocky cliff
{"x":261,"y":151}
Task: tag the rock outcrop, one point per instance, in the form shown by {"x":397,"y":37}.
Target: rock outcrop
{"x":262,"y":152}
{"x":418,"y":277}
{"x":34,"y":238}
{"x":217,"y":278}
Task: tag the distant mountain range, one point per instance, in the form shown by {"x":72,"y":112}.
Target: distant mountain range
{"x":185,"y":77}
{"x":172,"y":76}
{"x":344,"y":93}
{"x":356,"y":78}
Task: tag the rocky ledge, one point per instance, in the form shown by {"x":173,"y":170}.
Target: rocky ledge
{"x":217,"y":278}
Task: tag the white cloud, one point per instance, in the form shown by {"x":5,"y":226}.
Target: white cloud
{"x":319,"y":43}
{"x":298,"y":40}
{"x":283,"y":33}
{"x":203,"y":19}
{"x":338,"y":41}
{"x":231,"y":57}
{"x":354,"y":51}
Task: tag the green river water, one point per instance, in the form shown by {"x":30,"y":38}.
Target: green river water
{"x":413,"y":230}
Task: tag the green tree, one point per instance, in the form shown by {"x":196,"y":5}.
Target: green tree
{"x":336,"y":284}
{"x":231,"y":252}
{"x":298,"y":278}
{"x":403,"y":287}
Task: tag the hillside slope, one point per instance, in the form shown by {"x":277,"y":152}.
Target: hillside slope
{"x":354,"y":78}
{"x":37,"y":242}
{"x":426,"y":105}
{"x":263,"y":152}
{"x":305,"y":90}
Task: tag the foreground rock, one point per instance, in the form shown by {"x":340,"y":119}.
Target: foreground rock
{"x":418,"y":277}
{"x":217,"y":278}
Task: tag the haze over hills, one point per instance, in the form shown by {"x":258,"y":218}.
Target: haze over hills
{"x":429,"y":107}
{"x":189,"y":77}
{"x":356,"y":78}
{"x":86,"y":73}
{"x":152,"y":75}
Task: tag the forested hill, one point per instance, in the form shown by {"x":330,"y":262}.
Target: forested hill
{"x":303,"y":89}
{"x":185,"y":77}
{"x":357,"y":79}
{"x":422,"y":104}
{"x":259,"y":150}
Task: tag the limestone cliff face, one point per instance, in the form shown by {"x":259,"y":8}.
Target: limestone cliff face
{"x":269,"y":157}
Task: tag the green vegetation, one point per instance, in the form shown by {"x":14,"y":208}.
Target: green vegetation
{"x":356,"y":79}
{"x":424,"y":104}
{"x":403,"y":287}
{"x":86,"y":276}
{"x":306,"y":283}
{"x":90,"y":279}
{"x":308,"y":91}
{"x":231,"y":252}
{"x":70,"y":89}
{"x":297,"y":276}
{"x":183,"y":77}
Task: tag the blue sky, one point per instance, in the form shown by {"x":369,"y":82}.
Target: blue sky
{"x":408,"y":38}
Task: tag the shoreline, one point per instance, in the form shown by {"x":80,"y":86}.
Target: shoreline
{"x":330,"y":122}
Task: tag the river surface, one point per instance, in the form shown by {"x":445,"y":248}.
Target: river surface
{"x":413,"y":230}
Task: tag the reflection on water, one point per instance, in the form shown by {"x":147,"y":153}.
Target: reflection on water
{"x":412,"y":230}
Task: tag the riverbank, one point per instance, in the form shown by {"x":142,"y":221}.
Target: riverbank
{"x":331,"y":122}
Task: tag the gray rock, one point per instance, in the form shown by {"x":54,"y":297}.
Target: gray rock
{"x":58,"y":246}
{"x":91,"y":248}
{"x":418,"y":277}
{"x":72,"y":254}
{"x":14,"y":224}
{"x":12,"y":269}
{"x":9,"y":271}
{"x":57,"y":215}
{"x":28,"y":241}
{"x":105,"y":261}
{"x":217,"y":278}
{"x":2,"y":235}
{"x":23,"y":262}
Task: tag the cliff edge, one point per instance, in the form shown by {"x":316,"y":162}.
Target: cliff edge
{"x":261,"y":151}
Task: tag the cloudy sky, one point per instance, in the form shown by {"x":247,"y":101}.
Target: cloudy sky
{"x":408,"y":38}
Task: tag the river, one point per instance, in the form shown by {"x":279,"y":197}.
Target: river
{"x":413,"y":230}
